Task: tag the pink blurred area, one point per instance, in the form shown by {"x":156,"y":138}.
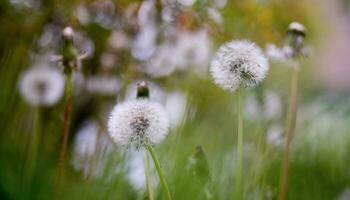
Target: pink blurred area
{"x":333,"y":62}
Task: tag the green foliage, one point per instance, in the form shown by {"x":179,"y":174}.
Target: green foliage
{"x":198,"y":157}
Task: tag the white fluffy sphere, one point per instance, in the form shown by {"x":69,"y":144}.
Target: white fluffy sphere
{"x":42,"y":86}
{"x":238,"y":64}
{"x":138,"y":121}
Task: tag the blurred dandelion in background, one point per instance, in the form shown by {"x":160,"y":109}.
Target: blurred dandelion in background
{"x":42,"y":86}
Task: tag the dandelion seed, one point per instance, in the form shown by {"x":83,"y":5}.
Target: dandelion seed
{"x":238,"y":64}
{"x":42,"y":86}
{"x":137,"y":122}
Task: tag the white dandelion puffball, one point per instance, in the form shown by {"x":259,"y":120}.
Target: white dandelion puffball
{"x":137,"y":122}
{"x":238,"y":64}
{"x":42,"y":86}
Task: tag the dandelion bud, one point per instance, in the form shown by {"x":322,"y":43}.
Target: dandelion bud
{"x":42,"y":86}
{"x":68,"y":34}
{"x":295,"y":39}
{"x":138,"y":122}
{"x":142,"y":90}
{"x":71,"y":59}
{"x":238,"y":64}
{"x":296,"y":28}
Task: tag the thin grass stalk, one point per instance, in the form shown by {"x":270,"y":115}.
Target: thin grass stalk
{"x":239,"y":156}
{"x":66,"y":122}
{"x":32,"y":151}
{"x":290,"y":126}
{"x":159,"y":171}
{"x":148,"y":175}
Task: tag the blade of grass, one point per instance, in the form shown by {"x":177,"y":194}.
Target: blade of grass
{"x":291,"y":120}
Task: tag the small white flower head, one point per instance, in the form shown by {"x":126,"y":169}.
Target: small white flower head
{"x":238,"y":64}
{"x":137,"y":122}
{"x":42,"y":86}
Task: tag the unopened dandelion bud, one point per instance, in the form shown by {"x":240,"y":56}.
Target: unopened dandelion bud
{"x":70,"y":55}
{"x":296,"y":34}
{"x":142,"y":90}
{"x":68,"y":34}
{"x":296,"y":28}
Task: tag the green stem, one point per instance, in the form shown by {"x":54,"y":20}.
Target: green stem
{"x":66,"y":122}
{"x":32,"y":150}
{"x":291,"y":120}
{"x":159,"y":171}
{"x":148,"y":176}
{"x":239,"y":159}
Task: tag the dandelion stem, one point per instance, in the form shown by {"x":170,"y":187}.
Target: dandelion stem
{"x":148,"y":176}
{"x":32,"y":150}
{"x":66,"y":122}
{"x":291,"y":120}
{"x":239,"y":159}
{"x":159,"y":171}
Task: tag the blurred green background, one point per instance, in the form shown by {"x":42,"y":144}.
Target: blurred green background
{"x":319,"y":164}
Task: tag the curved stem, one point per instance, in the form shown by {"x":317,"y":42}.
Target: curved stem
{"x":148,"y":175}
{"x":66,"y":122}
{"x":159,"y":171}
{"x":291,"y":120}
{"x":239,"y":158}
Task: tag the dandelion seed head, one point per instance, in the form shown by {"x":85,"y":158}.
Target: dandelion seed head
{"x":41,"y":86}
{"x":238,"y":64}
{"x":138,"y":121}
